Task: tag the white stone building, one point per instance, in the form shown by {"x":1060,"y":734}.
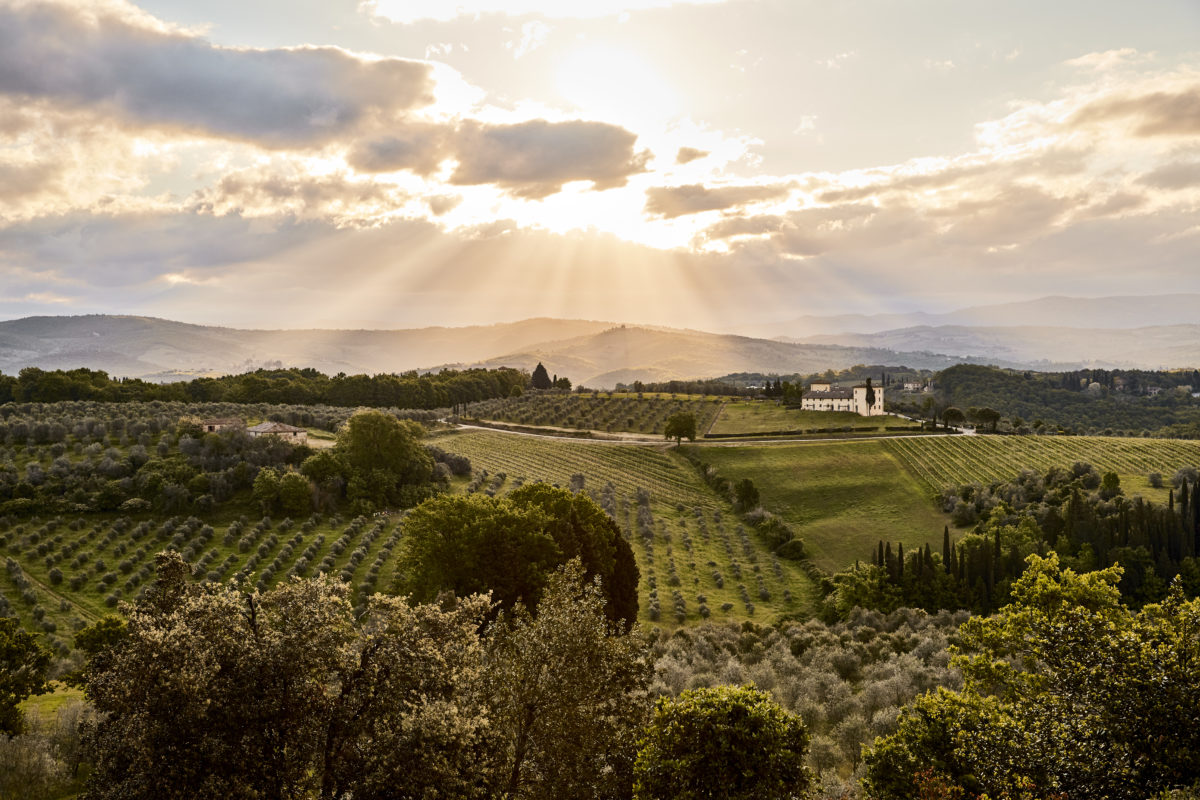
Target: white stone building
{"x":823,"y":396}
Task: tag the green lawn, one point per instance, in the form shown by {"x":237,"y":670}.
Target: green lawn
{"x":841,"y":497}
{"x":765,"y":416}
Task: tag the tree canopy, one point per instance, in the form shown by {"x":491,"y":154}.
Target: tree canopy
{"x":509,"y":545}
{"x":722,"y":743}
{"x":1066,"y":691}
{"x":23,"y":667}
{"x":211,"y":692}
{"x":680,"y":426}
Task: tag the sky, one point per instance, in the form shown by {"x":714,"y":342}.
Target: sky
{"x":713,"y":164}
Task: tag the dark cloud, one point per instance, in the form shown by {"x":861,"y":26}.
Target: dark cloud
{"x":688,"y":154}
{"x":279,"y":98}
{"x":676,"y":201}
{"x":264,"y":191}
{"x":1156,"y":113}
{"x":534,"y":159}
{"x":1179,"y":175}
{"x":419,"y":147}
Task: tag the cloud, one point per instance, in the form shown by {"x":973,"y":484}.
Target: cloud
{"x":533,"y":36}
{"x":688,"y":154}
{"x":23,"y":180}
{"x":1158,"y":113}
{"x":676,"y":201}
{"x":263,"y":191}
{"x":417,"y":146}
{"x":151,"y":77}
{"x":534,"y":159}
{"x":1175,"y":175}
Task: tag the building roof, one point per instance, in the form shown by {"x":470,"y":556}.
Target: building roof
{"x":830,"y":394}
{"x":274,"y":427}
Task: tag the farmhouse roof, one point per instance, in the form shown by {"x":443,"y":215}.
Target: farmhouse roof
{"x":832,"y":394}
{"x":273,"y":427}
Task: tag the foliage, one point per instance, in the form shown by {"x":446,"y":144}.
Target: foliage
{"x":680,"y":426}
{"x":299,"y":386}
{"x":44,"y":762}
{"x":23,"y":667}
{"x":1066,"y":690}
{"x":216,"y":693}
{"x":568,"y":693}
{"x":723,"y":742}
{"x":1083,"y":401}
{"x":508,"y":546}
{"x":540,"y":379}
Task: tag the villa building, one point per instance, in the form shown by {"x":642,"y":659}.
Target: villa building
{"x":823,"y":396}
{"x":288,"y":432}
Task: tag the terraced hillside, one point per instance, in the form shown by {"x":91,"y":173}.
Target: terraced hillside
{"x":695,"y":557}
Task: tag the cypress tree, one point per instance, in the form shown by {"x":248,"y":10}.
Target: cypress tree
{"x":880,"y":560}
{"x":900,"y":559}
{"x":890,"y":561}
{"x":946,"y":549}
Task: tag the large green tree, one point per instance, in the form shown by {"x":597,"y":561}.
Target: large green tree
{"x":680,"y":426}
{"x":1067,"y":691}
{"x":722,"y":743}
{"x":23,"y":666}
{"x":510,"y":545}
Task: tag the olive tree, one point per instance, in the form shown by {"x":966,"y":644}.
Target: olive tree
{"x":722,"y":743}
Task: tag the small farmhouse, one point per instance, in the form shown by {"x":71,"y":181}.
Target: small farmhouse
{"x":823,"y":396}
{"x":288,"y":432}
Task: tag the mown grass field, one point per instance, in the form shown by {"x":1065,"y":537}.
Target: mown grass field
{"x":765,"y":416}
{"x":840,"y":497}
{"x":686,"y":538}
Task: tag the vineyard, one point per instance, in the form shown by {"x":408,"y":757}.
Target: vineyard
{"x":697,"y":561}
{"x":607,"y":412}
{"x":939,"y":462}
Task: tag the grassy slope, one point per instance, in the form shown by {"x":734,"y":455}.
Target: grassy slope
{"x":841,"y":497}
{"x":758,"y":416}
{"x":676,"y":493}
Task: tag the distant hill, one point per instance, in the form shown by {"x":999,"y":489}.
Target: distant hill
{"x":628,"y":353}
{"x":597,"y":354}
{"x":1072,"y":312}
{"x":161,"y":349}
{"x":1152,"y":347}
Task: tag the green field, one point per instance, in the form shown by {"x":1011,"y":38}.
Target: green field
{"x":840,"y":497}
{"x":686,"y":538}
{"x":843,"y":497}
{"x":766,"y":416}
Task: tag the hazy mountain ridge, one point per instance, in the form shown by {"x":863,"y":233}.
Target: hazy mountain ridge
{"x":593,"y":353}
{"x":1041,"y":347}
{"x":1071,"y":312}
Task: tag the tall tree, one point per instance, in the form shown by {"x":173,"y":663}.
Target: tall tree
{"x":23,"y":667}
{"x":540,"y":379}
{"x":679,"y":426}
